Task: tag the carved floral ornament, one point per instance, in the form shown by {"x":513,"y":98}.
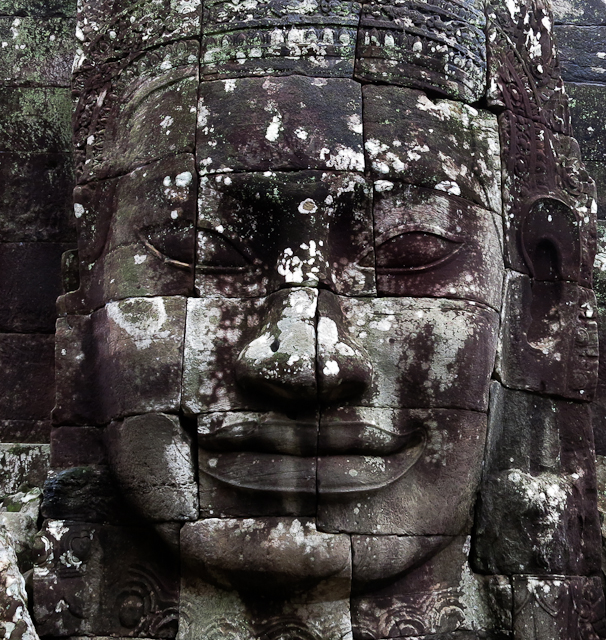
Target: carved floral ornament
{"x":335,"y":261}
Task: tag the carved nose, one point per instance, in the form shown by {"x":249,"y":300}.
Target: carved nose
{"x":344,"y":370}
{"x":281,"y":361}
{"x":303,"y":352}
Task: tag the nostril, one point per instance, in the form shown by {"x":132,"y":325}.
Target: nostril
{"x":275,"y":345}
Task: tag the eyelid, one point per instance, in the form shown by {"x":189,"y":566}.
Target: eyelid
{"x":418,"y":227}
{"x":410,"y":259}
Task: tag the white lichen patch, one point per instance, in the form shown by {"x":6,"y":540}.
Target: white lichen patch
{"x":143,"y":319}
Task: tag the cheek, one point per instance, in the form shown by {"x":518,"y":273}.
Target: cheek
{"x":425,"y":352}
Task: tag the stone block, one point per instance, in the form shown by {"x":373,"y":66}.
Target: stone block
{"x":413,"y":606}
{"x":219,"y":329}
{"x":151,"y":459}
{"x":533,"y":356}
{"x":244,"y":596}
{"x":523,"y":79}
{"x":537,"y":510}
{"x":30,"y":285}
{"x":16,"y":620}
{"x":136,"y":234}
{"x":557,"y":608}
{"x":35,"y":120}
{"x":549,"y":202}
{"x":415,"y":45}
{"x":424,"y":485}
{"x":429,"y":244}
{"x":129,"y":354}
{"x":85,"y":493}
{"x":587,"y":120}
{"x":96,"y":579}
{"x":76,"y":447}
{"x":25,"y":431}
{"x":430,"y":143}
{"x":39,"y":52}
{"x":581,"y":12}
{"x":132,"y":112}
{"x":281,"y":124}
{"x":43,"y":213}
{"x":38,"y":8}
{"x":582,"y":52}
{"x":260,"y":232}
{"x":114,"y":29}
{"x":28,"y":384}
{"x":19,"y":514}
{"x":277,"y":38}
{"x":22,"y":464}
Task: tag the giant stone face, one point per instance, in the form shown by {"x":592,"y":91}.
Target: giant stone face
{"x":292,"y":266}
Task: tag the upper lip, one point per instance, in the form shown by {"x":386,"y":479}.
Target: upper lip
{"x":303,"y":438}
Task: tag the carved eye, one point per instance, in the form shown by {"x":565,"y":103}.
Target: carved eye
{"x":415,"y":250}
{"x":173,"y":243}
{"x":216,"y":253}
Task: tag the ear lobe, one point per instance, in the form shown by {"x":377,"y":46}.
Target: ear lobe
{"x":550,"y":240}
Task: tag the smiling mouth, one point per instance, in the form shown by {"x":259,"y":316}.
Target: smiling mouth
{"x":353,"y":456}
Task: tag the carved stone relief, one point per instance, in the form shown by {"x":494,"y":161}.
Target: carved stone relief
{"x":324,"y":370}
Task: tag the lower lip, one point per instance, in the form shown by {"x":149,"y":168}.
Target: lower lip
{"x":294,"y":475}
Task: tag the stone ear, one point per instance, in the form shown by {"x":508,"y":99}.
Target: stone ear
{"x":550,"y":241}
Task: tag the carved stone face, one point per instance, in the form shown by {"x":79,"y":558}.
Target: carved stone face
{"x":347,"y":274}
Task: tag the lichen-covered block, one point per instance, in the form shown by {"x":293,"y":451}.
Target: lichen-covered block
{"x":38,"y":8}
{"x":22,"y":464}
{"x":525,"y":79}
{"x":113,"y":29}
{"x":537,"y":513}
{"x":258,"y":124}
{"x":35,"y":197}
{"x":28,"y":380}
{"x":99,"y":579}
{"x":533,"y":358}
{"x":426,"y":376}
{"x":436,"y":245}
{"x":244,"y":595}
{"x":279,"y":38}
{"x":15,"y":619}
{"x":31,"y":282}
{"x":132,"y":112}
{"x":35,"y":120}
{"x":587,"y":120}
{"x":549,"y":200}
{"x":554,"y":608}
{"x":218,"y":330}
{"x":581,"y":12}
{"x":151,"y":458}
{"x":136,"y":235}
{"x":415,"y":606}
{"x":125,"y":358}
{"x":38,"y":52}
{"x":581,"y":52}
{"x":258,"y":232}
{"x":424,"y":484}
{"x":440,"y":144}
{"x":19,"y":514}
{"x":437,"y":46}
